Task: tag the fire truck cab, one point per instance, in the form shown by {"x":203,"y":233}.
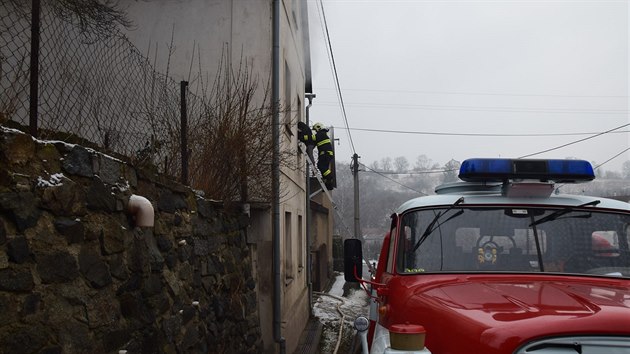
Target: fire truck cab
{"x":501,"y":263}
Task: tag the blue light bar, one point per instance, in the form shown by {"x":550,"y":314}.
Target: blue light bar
{"x":501,"y":170}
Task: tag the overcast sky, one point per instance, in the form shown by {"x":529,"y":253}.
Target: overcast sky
{"x":456,"y":70}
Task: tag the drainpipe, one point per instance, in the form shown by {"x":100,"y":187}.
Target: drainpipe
{"x":275,"y":183}
{"x":142,"y":211}
{"x":309,"y":279}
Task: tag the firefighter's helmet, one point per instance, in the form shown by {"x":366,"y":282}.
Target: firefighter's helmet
{"x":318,"y":126}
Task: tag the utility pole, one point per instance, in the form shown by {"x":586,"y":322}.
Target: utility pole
{"x":355,"y":174}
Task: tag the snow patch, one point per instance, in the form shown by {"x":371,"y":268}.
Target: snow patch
{"x":123,"y":186}
{"x":53,"y":181}
{"x":68,"y":145}
{"x":337,"y":287}
{"x":326,"y":309}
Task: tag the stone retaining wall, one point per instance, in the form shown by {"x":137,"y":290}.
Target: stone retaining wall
{"x":76,"y":276}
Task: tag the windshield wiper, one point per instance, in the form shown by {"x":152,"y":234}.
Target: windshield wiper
{"x":558,"y":213}
{"x":431,"y":227}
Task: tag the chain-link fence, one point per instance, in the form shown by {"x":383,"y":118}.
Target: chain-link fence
{"x":93,"y":89}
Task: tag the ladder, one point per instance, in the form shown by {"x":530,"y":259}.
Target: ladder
{"x":317,"y":174}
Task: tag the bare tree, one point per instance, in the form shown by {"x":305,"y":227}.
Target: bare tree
{"x":386,"y":164}
{"x":401,"y":164}
{"x":451,"y":170}
{"x":232,"y":142}
{"x":96,"y":17}
{"x":423,"y":163}
{"x":626,"y":169}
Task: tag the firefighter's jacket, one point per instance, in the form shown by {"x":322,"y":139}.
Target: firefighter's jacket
{"x":321,"y":140}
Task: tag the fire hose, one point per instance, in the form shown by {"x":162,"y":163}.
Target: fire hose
{"x":342,"y":302}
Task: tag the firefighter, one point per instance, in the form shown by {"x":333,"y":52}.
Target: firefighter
{"x":304,"y":132}
{"x":325,"y":151}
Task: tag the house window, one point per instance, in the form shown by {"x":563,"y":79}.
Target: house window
{"x":300,"y":159}
{"x":287,"y":99}
{"x":288,"y":248}
{"x":301,"y":243}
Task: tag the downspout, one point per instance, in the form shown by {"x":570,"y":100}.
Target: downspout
{"x":142,"y":211}
{"x":309,"y":269}
{"x":275,"y":183}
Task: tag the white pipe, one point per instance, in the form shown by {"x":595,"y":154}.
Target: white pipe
{"x":364,"y":342}
{"x":142,"y":210}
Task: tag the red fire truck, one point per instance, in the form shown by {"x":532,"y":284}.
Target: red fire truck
{"x":500,"y":262}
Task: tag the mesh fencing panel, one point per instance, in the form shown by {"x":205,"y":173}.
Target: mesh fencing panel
{"x":93,"y":88}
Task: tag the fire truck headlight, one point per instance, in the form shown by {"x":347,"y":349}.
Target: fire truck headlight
{"x":361,"y":324}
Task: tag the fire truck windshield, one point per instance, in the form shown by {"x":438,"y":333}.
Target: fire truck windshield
{"x":491,"y":239}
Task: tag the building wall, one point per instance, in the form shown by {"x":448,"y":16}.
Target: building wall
{"x":182,"y":34}
{"x":259,"y":238}
{"x":322,"y":239}
{"x":198,"y":32}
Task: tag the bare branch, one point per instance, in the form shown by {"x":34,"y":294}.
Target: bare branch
{"x":95,"y":18}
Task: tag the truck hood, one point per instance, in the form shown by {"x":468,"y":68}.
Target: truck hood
{"x":498,"y":315}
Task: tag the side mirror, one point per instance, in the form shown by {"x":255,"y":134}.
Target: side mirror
{"x":352,"y":260}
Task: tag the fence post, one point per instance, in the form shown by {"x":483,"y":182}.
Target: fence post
{"x":34,"y":69}
{"x":184,"y":132}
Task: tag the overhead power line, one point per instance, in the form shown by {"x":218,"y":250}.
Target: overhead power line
{"x":610,"y":159}
{"x":336,"y":76}
{"x":591,"y":136}
{"x":575,"y":142}
{"x":483,"y":109}
{"x":475,"y":134}
{"x":393,"y":180}
{"x":480,"y":93}
{"x":383,"y":174}
{"x":411,"y":172}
